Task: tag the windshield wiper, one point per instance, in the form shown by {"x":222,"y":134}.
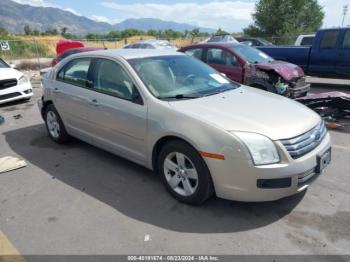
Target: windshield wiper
{"x":222,"y":91}
{"x":180,"y":96}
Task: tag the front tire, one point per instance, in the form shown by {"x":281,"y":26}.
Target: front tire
{"x":184,"y":173}
{"x":54,"y":125}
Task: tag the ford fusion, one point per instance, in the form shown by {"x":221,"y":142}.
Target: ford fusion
{"x":202,"y":133}
{"x":13,"y":84}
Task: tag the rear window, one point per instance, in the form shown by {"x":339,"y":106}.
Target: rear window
{"x":75,"y":72}
{"x":329,"y":39}
{"x":195,"y":52}
{"x":307,"y":40}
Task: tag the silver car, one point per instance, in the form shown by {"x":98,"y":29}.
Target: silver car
{"x":202,"y":133}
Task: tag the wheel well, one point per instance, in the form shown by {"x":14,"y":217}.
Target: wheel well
{"x":45,"y":104}
{"x":159,"y":145}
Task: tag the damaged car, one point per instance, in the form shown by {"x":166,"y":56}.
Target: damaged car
{"x":250,"y":66}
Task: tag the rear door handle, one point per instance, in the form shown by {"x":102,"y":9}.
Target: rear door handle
{"x":94,"y":102}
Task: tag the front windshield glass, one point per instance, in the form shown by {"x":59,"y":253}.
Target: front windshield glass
{"x":180,"y":77}
{"x":3,"y":64}
{"x":252,"y":55}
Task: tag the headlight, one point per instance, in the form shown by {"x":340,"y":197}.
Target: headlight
{"x":23,"y":80}
{"x":261,"y":148}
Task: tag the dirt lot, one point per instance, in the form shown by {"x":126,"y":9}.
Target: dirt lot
{"x":77,"y":199}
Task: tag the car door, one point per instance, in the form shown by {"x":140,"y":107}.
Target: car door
{"x":117,"y":113}
{"x":343,"y":57}
{"x":70,"y":95}
{"x":324,"y":56}
{"x":225,"y":62}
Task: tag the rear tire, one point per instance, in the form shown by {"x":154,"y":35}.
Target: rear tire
{"x":54,"y":125}
{"x":184,"y":173}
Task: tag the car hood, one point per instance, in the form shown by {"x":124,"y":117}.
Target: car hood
{"x":9,"y":73}
{"x":251,"y":110}
{"x":286,"y":70}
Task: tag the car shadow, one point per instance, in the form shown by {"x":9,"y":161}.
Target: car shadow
{"x":135,"y":191}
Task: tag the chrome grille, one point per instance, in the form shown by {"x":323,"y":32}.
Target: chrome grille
{"x":305,"y":143}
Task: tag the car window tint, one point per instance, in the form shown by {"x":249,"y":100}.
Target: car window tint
{"x":196,"y":52}
{"x":346,"y":42}
{"x":3,"y":64}
{"x":329,"y":39}
{"x":307,"y":40}
{"x":217,"y":56}
{"x":112,"y":79}
{"x":75,"y":72}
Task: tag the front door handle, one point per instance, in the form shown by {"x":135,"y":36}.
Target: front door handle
{"x":94,"y":102}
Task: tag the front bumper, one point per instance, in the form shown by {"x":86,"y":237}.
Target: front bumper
{"x":239,"y":180}
{"x":298,"y":88}
{"x":24,"y":91}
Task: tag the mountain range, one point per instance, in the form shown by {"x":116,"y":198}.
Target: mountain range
{"x":14,"y":16}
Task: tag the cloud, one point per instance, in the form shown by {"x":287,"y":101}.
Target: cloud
{"x":101,"y":18}
{"x":229,"y":15}
{"x":72,"y":11}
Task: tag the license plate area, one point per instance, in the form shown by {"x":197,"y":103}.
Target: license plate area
{"x":323,"y":161}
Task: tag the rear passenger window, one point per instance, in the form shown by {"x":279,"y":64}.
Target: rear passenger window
{"x":307,"y":40}
{"x":346,"y":43}
{"x":217,"y":56}
{"x":110,"y":78}
{"x":196,"y":52}
{"x":329,"y":39}
{"x":75,"y":72}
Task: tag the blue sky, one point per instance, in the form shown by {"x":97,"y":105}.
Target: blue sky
{"x":231,"y":15}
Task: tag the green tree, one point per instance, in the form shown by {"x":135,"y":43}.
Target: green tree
{"x":285,"y":18}
{"x":152,"y":32}
{"x":3,"y":32}
{"x":64,"y":31}
{"x":221,"y":32}
{"x":27,"y":30}
{"x":195,"y":32}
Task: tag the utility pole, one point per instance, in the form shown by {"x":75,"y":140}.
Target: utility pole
{"x":345,"y":11}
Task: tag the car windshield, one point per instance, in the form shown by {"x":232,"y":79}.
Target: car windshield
{"x":3,"y":64}
{"x":180,"y":77}
{"x":252,"y":55}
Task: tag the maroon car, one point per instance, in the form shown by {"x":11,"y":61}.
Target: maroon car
{"x":72,"y":51}
{"x":250,"y":66}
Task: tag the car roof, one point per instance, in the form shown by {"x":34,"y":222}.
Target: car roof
{"x":86,"y":48}
{"x":217,"y":44}
{"x":131,"y":53}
